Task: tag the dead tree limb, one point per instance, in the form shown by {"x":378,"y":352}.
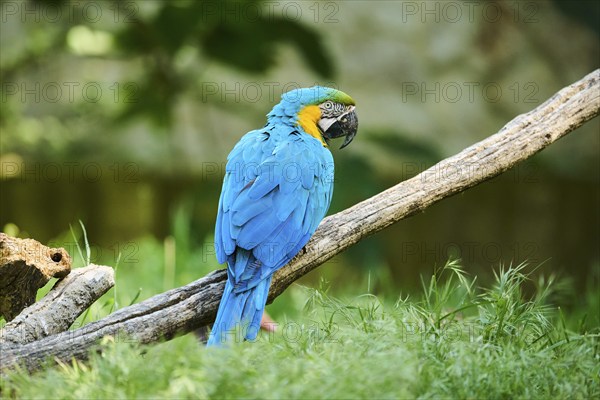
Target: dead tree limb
{"x":189,"y":307}
{"x":57,"y":311}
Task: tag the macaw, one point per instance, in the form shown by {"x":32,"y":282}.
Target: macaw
{"x":277,"y":188}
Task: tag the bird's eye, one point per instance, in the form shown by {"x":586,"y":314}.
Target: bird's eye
{"x":328,"y":105}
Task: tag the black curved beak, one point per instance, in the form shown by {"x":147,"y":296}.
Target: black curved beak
{"x":346,"y":125}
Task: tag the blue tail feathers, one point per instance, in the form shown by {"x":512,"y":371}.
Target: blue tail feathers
{"x":239,"y":313}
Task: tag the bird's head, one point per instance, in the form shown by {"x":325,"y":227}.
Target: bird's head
{"x":322,"y":112}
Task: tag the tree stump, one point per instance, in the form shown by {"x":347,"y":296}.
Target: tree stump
{"x":25,"y":266}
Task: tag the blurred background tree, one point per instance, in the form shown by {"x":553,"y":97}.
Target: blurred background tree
{"x":122,"y":113}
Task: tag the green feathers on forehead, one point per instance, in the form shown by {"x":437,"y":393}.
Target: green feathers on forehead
{"x":316,"y":95}
{"x":340,"y":97}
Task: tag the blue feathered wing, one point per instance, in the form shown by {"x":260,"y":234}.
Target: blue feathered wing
{"x":277,"y":188}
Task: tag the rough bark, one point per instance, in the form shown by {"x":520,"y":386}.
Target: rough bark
{"x":57,"y":311}
{"x":25,"y":266}
{"x":189,"y":307}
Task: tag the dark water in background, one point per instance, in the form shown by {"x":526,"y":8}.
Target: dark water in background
{"x":526,"y":214}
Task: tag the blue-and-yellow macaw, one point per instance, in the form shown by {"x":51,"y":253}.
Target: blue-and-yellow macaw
{"x":277,"y":188}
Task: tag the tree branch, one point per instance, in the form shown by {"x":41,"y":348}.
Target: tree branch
{"x":189,"y":307}
{"x":57,"y":311}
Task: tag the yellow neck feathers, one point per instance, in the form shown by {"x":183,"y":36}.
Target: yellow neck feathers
{"x":307,"y":119}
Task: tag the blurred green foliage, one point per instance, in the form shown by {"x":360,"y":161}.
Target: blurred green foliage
{"x":247,"y":44}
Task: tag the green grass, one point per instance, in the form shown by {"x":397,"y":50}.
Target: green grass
{"x":456,"y":340}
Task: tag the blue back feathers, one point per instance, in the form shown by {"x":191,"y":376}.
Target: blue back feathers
{"x":277,"y":188}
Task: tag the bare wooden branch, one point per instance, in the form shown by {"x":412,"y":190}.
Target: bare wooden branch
{"x":189,"y":307}
{"x":57,"y":311}
{"x":160,"y":317}
{"x":25,"y":266}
